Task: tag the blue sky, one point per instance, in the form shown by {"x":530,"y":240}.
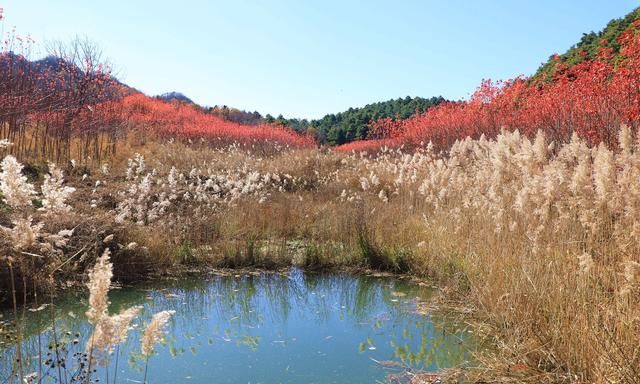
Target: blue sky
{"x":307,"y":58}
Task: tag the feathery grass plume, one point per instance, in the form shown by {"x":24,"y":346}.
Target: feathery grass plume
{"x":23,"y":234}
{"x":631,"y":276}
{"x":172,"y":179}
{"x":136,"y":167}
{"x":581,"y":200}
{"x":625,"y":141}
{"x":124,"y":319}
{"x":15,"y":188}
{"x":364,"y":183}
{"x":55,"y":194}
{"x":540,"y":148}
{"x":383,"y":196}
{"x":154,"y":332}
{"x":604,"y":168}
{"x":585,"y":262}
{"x":99,"y":282}
{"x":109,"y":332}
{"x":5,"y":143}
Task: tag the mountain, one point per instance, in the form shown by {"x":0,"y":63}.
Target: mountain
{"x":53,"y":84}
{"x":338,"y":128}
{"x":590,"y":43}
{"x":224,"y":112}
{"x":175,"y":96}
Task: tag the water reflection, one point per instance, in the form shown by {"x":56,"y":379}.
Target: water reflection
{"x":264,"y":328}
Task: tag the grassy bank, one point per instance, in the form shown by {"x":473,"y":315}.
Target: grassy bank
{"x":540,"y":239}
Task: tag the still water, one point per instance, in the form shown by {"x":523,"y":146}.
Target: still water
{"x":256,"y":328}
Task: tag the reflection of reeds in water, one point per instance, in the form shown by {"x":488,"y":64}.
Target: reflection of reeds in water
{"x":246,"y":301}
{"x":62,"y":358}
{"x":240,"y":302}
{"x":437,"y":348}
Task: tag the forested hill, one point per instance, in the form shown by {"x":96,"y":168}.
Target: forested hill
{"x":353,"y":124}
{"x":590,"y":43}
{"x":338,"y":128}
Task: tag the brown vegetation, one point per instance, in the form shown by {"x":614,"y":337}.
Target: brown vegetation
{"x":541,"y":240}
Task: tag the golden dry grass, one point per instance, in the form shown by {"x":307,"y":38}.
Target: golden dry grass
{"x":540,"y":239}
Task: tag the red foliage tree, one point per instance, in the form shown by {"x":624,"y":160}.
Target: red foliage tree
{"x":70,"y":104}
{"x":188,"y":123}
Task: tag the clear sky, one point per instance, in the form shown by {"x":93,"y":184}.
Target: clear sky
{"x":307,"y":58}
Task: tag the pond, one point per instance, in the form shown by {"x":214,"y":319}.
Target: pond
{"x":252,"y":328}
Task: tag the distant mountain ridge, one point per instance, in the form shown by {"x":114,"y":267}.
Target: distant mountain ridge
{"x":178,"y":96}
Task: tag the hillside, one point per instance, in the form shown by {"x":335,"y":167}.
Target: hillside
{"x":587,"y":92}
{"x":590,"y":44}
{"x":87,"y":85}
{"x":353,"y":124}
{"x":335,"y":128}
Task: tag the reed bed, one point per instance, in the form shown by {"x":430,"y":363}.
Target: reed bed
{"x":539,"y":238}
